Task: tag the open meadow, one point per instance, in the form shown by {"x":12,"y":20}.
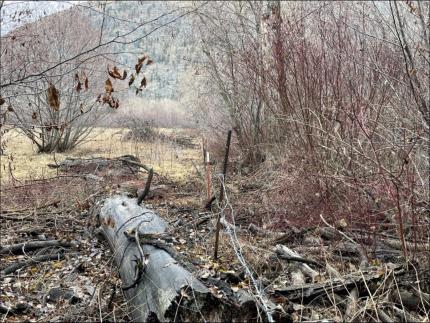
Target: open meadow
{"x":21,"y":162}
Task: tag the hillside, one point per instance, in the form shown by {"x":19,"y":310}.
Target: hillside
{"x":171,"y":47}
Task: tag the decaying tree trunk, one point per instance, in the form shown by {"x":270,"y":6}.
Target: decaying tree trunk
{"x":156,"y":285}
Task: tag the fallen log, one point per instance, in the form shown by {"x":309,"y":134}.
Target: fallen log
{"x":158,"y":286}
{"x":345,"y":283}
{"x":120,"y":166}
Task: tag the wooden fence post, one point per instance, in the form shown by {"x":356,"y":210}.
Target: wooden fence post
{"x":221,"y":195}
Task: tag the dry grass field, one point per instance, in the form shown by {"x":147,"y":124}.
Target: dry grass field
{"x":22,"y":162}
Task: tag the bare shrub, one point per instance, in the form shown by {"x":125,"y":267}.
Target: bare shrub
{"x":334,"y":91}
{"x":57,"y":109}
{"x":139,"y":130}
{"x":163,"y":113}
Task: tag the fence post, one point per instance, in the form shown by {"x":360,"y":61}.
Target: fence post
{"x":221,"y":195}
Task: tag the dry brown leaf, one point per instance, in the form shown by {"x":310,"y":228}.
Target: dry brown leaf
{"x":2,"y":101}
{"x":108,"y":86}
{"x":115,"y":104}
{"x":138,"y":67}
{"x":86,"y":83}
{"x":142,"y":59}
{"x":132,"y":78}
{"x":140,"y":63}
{"x":114,"y":73}
{"x":79,"y":86}
{"x":106,"y":98}
{"x":53,"y":97}
{"x":143,"y":82}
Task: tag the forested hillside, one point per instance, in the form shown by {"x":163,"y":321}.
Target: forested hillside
{"x":173,"y":47}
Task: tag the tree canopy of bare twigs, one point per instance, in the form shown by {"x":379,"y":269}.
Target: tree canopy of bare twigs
{"x":338,"y":89}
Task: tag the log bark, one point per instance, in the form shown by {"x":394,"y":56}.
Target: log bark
{"x":166,"y":291}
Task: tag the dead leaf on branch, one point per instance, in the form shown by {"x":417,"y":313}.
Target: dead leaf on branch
{"x":115,"y":73}
{"x":114,"y":103}
{"x":132,"y":78}
{"x":111,"y":101}
{"x":108,"y":86}
{"x":85,"y":80}
{"x":143,"y":82}
{"x":53,"y":97}
{"x":139,"y":64}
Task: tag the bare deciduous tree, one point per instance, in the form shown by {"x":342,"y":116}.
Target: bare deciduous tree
{"x":31,"y":49}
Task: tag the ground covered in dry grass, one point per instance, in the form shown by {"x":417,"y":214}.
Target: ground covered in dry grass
{"x":309,"y":269}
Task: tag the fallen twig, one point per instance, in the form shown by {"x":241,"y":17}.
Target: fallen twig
{"x":286,"y":253}
{"x":14,"y":267}
{"x":21,"y":248}
{"x":31,"y":208}
{"x":145,"y":167}
{"x":282,"y":253}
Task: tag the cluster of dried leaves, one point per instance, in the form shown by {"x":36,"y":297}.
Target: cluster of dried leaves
{"x":116,"y":74}
{"x":106,"y":98}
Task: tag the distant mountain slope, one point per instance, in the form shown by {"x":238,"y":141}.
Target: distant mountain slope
{"x":171,"y":46}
